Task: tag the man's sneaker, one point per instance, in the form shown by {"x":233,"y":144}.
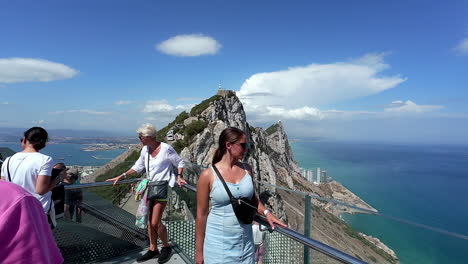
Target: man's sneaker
{"x":165,"y":254}
{"x":148,"y":255}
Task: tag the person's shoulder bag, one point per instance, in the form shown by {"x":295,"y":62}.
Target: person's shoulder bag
{"x":242,"y":206}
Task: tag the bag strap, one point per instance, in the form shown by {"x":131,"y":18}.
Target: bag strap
{"x":8,"y":169}
{"x":222,"y":180}
{"x":148,"y":167}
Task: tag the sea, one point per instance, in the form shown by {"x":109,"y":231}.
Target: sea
{"x":424,"y":184}
{"x":73,"y":154}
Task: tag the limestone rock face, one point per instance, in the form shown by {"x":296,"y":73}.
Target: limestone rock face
{"x":270,"y":156}
{"x":229,"y":110}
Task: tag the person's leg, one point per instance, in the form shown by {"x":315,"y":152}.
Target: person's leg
{"x":152,"y":228}
{"x":153,"y":236}
{"x":66,"y":211}
{"x":72,"y":210}
{"x":261,"y":254}
{"x":256,"y":253}
{"x":156,"y":222}
{"x":78,"y":214}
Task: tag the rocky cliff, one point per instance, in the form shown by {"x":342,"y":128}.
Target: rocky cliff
{"x":272,"y":161}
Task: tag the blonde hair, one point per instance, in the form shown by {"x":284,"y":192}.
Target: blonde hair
{"x":147,"y":130}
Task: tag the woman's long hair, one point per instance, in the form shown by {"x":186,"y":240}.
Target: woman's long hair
{"x":37,"y":136}
{"x":230,"y":134}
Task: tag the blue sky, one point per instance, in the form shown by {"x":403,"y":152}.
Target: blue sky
{"x":359,"y":70}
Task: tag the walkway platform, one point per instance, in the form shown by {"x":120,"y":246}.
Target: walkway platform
{"x":176,"y":258}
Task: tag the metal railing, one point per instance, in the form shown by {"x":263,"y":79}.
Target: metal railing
{"x":328,"y":248}
{"x":103,"y":230}
{"x":306,"y":241}
{"x":300,"y":238}
{"x":312,"y":243}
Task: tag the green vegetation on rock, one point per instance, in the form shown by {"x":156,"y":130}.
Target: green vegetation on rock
{"x":178,"y":120}
{"x":194,"y":128}
{"x":348,"y":230}
{"x":272,"y":129}
{"x":199,"y":108}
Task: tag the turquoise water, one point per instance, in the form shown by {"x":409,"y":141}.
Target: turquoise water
{"x":72,"y":154}
{"x":420,"y":183}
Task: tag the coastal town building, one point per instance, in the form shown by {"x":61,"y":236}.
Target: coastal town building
{"x":318,"y":176}
{"x":324,"y":176}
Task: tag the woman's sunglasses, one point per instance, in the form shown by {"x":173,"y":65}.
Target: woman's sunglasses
{"x":244,"y":145}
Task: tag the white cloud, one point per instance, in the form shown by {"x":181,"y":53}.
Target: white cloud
{"x":13,"y":70}
{"x":86,"y":111}
{"x":270,"y":113}
{"x":189,"y":45}
{"x":462,"y":47}
{"x":39,"y":122}
{"x":162,"y":106}
{"x":123,"y":102}
{"x":5,"y":103}
{"x":151,"y":118}
{"x":302,"y":89}
{"x":410,"y":107}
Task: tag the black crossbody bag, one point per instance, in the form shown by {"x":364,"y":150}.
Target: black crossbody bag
{"x":156,"y":190}
{"x":243,"y":207}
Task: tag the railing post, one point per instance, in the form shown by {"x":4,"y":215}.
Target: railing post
{"x":307,"y":223}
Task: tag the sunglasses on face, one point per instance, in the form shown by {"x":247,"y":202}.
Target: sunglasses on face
{"x":244,"y":145}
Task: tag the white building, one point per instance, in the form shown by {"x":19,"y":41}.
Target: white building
{"x":318,"y":176}
{"x":310,"y":175}
{"x":324,"y":176}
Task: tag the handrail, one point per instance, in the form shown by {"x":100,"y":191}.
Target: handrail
{"x":312,"y":243}
{"x":306,"y":193}
{"x":99,"y":184}
{"x":376,"y":213}
{"x":434,"y":229}
{"x":192,"y":188}
{"x":318,"y":197}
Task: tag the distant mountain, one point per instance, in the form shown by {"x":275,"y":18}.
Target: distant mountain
{"x":9,"y":134}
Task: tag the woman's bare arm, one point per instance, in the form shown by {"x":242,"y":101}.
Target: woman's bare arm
{"x":203,"y":196}
{"x":44,"y":185}
{"x":272,"y":220}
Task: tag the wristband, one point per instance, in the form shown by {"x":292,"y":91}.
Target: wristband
{"x":124,"y":175}
{"x":266,"y":212}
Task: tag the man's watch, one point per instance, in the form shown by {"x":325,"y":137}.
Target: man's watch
{"x":266,"y":212}
{"x":124,"y":175}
